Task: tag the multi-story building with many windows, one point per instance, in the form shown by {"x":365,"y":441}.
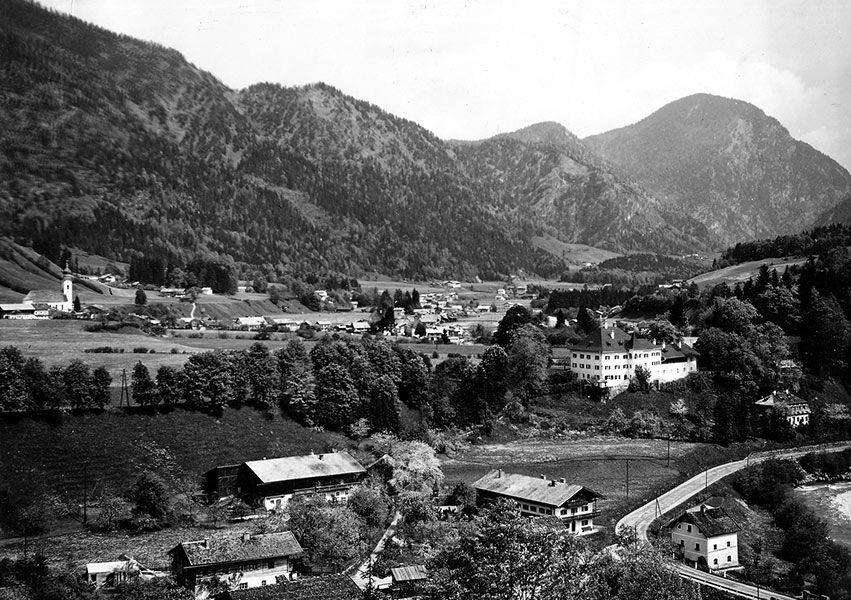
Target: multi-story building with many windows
{"x":610,"y":356}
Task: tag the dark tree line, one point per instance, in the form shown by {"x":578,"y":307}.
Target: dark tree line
{"x":27,"y":385}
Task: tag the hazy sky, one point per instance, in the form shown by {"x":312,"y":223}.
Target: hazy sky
{"x":471,"y":69}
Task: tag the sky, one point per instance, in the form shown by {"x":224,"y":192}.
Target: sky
{"x":469,"y":69}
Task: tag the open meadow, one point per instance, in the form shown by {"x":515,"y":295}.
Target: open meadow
{"x":742,"y":272}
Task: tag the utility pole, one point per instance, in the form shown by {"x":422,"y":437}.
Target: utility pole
{"x":706,"y":480}
{"x":124,"y":392}
{"x":627,"y":479}
{"x":669,"y":450}
{"x":85,"y":493}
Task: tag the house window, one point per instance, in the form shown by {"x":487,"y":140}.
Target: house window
{"x":728,"y":543}
{"x":714,"y":561}
{"x":697,"y":546}
{"x":688,"y":528}
{"x":585,"y":522}
{"x":715,"y":546}
{"x":263,"y":582}
{"x":682,"y":543}
{"x":243,"y":586}
{"x":728,"y":558}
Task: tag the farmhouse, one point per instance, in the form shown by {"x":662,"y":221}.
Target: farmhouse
{"x":709,"y":536}
{"x":273,"y":482}
{"x":243,"y":562}
{"x":795,"y":410}
{"x":24,"y":311}
{"x":328,"y":587}
{"x":609,"y":356}
{"x":574,"y":504}
{"x":408,"y":580}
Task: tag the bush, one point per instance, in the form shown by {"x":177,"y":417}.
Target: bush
{"x":101,"y":350}
{"x":196,"y":335}
{"x":140,"y":350}
{"x":224,"y":335}
{"x":174,"y":351}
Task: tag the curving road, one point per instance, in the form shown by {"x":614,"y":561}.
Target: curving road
{"x":642,"y":517}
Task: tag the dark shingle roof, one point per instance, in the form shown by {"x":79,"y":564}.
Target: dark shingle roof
{"x":328,"y":587}
{"x":612,"y":339}
{"x":237,"y":549}
{"x":533,"y":489}
{"x":787,"y":403}
{"x":711,"y":521}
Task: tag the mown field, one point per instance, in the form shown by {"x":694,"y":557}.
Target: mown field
{"x":112,"y":444}
{"x":741,"y":272}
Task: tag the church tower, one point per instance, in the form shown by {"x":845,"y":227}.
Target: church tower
{"x":67,"y":285}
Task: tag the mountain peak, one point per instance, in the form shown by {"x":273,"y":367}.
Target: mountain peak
{"x":546,"y":132}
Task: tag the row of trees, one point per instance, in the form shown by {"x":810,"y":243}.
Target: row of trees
{"x":27,"y":385}
{"x":806,"y":541}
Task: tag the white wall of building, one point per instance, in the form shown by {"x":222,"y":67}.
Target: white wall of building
{"x":719,"y":552}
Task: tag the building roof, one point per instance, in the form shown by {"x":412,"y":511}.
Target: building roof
{"x":671,"y":352}
{"x":711,"y":521}
{"x":327,"y":587}
{"x":610,"y":339}
{"x":19,"y":306}
{"x":305,"y":467}
{"x":408,"y":573}
{"x":786,"y":402}
{"x":240,"y":549}
{"x":45,"y":296}
{"x":107,"y":567}
{"x":533,"y":489}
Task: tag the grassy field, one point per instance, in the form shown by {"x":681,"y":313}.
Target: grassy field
{"x":575,"y":254}
{"x":741,"y":272}
{"x":599,"y":463}
{"x":111,"y":444}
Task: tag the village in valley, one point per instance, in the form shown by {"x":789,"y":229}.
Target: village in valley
{"x":269,"y":341}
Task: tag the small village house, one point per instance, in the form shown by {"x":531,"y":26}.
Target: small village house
{"x":326,"y":587}
{"x":245,"y":561}
{"x":795,"y":410}
{"x":272,"y":483}
{"x":407,"y":581}
{"x":707,"y":535}
{"x":574,"y":504}
{"x":112,"y":573}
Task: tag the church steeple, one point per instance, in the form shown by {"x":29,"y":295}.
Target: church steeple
{"x":67,"y":284}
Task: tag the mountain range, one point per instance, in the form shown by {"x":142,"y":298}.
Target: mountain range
{"x":123,"y":148}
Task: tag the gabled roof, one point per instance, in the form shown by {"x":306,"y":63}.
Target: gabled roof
{"x":533,"y":489}
{"x":238,"y":549}
{"x":409,"y":573}
{"x":611,"y":339}
{"x":786,"y":402}
{"x":25,"y":306}
{"x":674,"y":352}
{"x":305,"y":467}
{"x":45,"y":296}
{"x":711,"y":522}
{"x":328,"y":587}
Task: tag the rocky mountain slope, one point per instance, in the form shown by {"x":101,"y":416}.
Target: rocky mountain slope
{"x":840,"y":213}
{"x":729,"y":165}
{"x":546,"y":172}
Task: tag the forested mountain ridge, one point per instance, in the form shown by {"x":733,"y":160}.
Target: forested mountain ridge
{"x":729,"y":165}
{"x":838,"y":214}
{"x":547,"y":172}
{"x":122,"y":147}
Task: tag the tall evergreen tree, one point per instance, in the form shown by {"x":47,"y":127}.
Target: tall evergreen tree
{"x":585,"y":321}
{"x":142,"y":386}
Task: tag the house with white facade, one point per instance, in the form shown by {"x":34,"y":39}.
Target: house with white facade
{"x":609,"y":357}
{"x":573,"y":504}
{"x":243,"y":562}
{"x":708,"y":535}
{"x":272,"y":483}
{"x":795,"y":410}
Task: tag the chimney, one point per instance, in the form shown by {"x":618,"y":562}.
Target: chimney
{"x":498,"y":473}
{"x":311,"y":452}
{"x":562,"y":480}
{"x":543,"y":476}
{"x":612,"y":334}
{"x":663,"y":344}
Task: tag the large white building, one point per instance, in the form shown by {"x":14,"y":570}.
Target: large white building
{"x":610,"y":356}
